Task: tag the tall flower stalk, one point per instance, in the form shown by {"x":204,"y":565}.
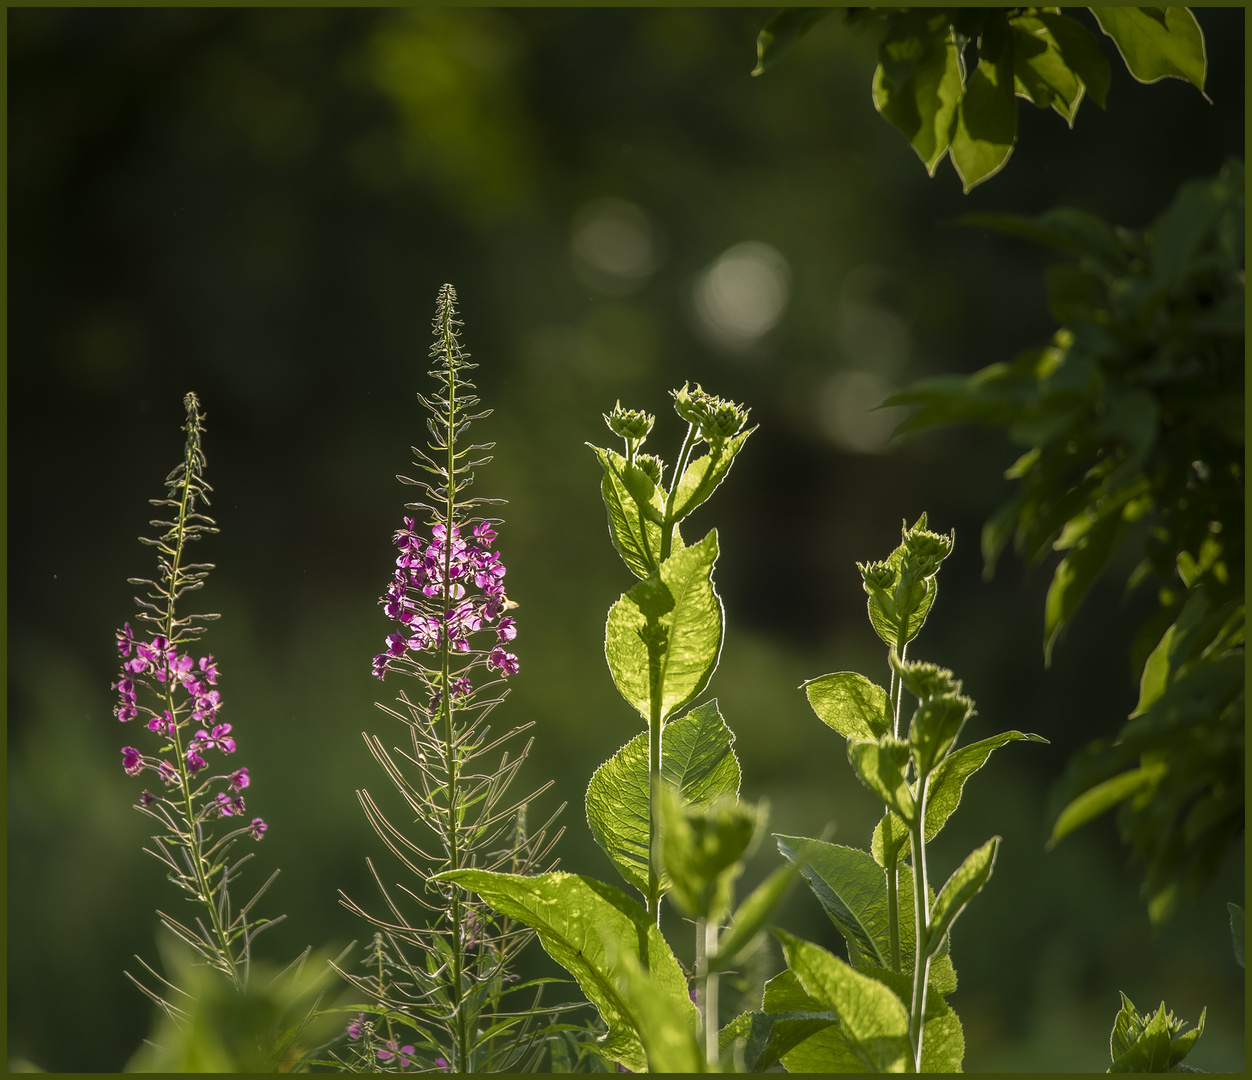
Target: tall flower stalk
{"x":447,"y":974}
{"x":168,"y":686}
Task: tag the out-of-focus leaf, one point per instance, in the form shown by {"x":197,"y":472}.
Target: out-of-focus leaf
{"x":918,"y":83}
{"x":1236,"y":931}
{"x":1075,"y":575}
{"x":1072,"y":231}
{"x":667,"y":632}
{"x":751,"y":916}
{"x":696,"y":757}
{"x":781,"y":32}
{"x":986,"y":119}
{"x":1103,"y":797}
{"x":767,"y":1036}
{"x":668,"y":1034}
{"x":574,"y":916}
{"x":1157,"y":43}
{"x":850,"y":704}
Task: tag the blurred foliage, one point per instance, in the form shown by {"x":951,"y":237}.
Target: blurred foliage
{"x":240,"y":201}
{"x":921,"y":86}
{"x":1134,"y":420}
{"x":1155,"y":1043}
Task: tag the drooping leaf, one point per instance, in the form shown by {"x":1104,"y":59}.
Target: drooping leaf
{"x":1041,"y":74}
{"x":1072,"y":231}
{"x":665,"y":634}
{"x":573,"y":917}
{"x":966,"y":881}
{"x":1075,"y":574}
{"x":850,"y":704}
{"x":702,"y":476}
{"x":1080,"y":51}
{"x":1157,"y":43}
{"x":696,"y":757}
{"x":918,"y":83}
{"x":781,"y":32}
{"x":872,"y":1019}
{"x":986,"y":120}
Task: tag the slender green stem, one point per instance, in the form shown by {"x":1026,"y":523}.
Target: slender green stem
{"x":711,"y":1004}
{"x":654,"y":794}
{"x":893,"y":909}
{"x":921,"y":909}
{"x":667,"y":527}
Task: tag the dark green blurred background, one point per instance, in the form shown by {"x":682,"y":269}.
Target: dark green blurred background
{"x":260,"y":205}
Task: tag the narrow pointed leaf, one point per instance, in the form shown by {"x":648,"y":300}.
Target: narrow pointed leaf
{"x":666,"y":632}
{"x":872,"y":1019}
{"x":1236,"y":931}
{"x":781,"y":32}
{"x":703,"y":475}
{"x":1157,"y":43}
{"x":696,"y":758}
{"x":960,"y":889}
{"x":880,"y":767}
{"x":573,"y":916}
{"x":850,"y":704}
{"x":767,"y":1036}
{"x":1103,"y":797}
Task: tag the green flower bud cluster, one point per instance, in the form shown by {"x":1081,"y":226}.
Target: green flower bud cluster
{"x":652,"y":466}
{"x":703,"y":847}
{"x":716,"y":420}
{"x":924,"y":680}
{"x":925,"y":550}
{"x":632,"y":425}
{"x":877,"y":576}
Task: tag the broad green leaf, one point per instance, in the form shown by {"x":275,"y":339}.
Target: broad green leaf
{"x":851,"y":889}
{"x":702,"y":476}
{"x":880,"y":767}
{"x":751,"y":916}
{"x":890,"y":839}
{"x":825,"y":1050}
{"x":1041,"y":74}
{"x":573,"y":916}
{"x":767,"y":1036}
{"x":872,"y":1019}
{"x":664,"y":636}
{"x":1236,"y":931}
{"x":986,"y":121}
{"x":918,"y":84}
{"x":781,"y":32}
{"x":943,"y":1039}
{"x":1074,"y":576}
{"x":696,"y":757}
{"x":1157,"y":43}
{"x":636,"y":537}
{"x":668,"y":1034}
{"x":849,"y":703}
{"x":1103,"y":797}
{"x":966,"y":881}
{"x":943,"y":793}
{"x":1080,"y":51}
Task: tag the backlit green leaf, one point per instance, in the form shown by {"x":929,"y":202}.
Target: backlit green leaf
{"x":880,"y":766}
{"x":751,"y":916}
{"x":767,"y":1036}
{"x":966,"y":881}
{"x":574,"y":916}
{"x":781,"y":32}
{"x":1075,"y":574}
{"x":1041,"y":74}
{"x":986,"y":121}
{"x":702,"y":476}
{"x":664,"y":636}
{"x":943,"y":1039}
{"x":1157,"y":43}
{"x":1080,"y":51}
{"x":696,"y":757}
{"x":918,"y":84}
{"x":669,"y":1035}
{"x":1103,"y":797}
{"x":635,"y":535}
{"x":849,"y":703}
{"x":872,"y":1019}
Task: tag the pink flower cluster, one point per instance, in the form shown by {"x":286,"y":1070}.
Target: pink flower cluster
{"x":469,"y":573}
{"x":158,"y":666}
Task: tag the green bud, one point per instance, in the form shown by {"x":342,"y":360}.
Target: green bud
{"x":702,"y":849}
{"x":692,"y":405}
{"x":877,"y":576}
{"x":727,"y":421}
{"x":632,"y":425}
{"x":924,"y":680}
{"x":651,"y":465}
{"x":925,"y":550}
{"x":934,"y":728}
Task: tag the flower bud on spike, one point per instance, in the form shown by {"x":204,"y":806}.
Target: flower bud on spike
{"x":652,"y":467}
{"x":632,"y":425}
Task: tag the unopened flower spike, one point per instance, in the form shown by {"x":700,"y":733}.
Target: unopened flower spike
{"x":633,"y":425}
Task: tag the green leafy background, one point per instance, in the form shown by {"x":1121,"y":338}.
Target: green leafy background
{"x":261,"y":205}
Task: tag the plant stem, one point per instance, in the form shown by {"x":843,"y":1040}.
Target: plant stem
{"x":667,"y":527}
{"x":921,"y":909}
{"x":711,"y":1051}
{"x":654,"y":794}
{"x":893,"y":909}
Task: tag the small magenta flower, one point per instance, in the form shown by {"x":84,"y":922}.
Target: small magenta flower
{"x":506,"y":628}
{"x":442,"y":1064}
{"x":132,"y":761}
{"x":229,"y":805}
{"x":356,"y":1028}
{"x":168,"y":773}
{"x":195,"y":762}
{"x":163,"y":725}
{"x":146,"y":798}
{"x":504,"y":662}
{"x":239,"y":779}
{"x":404,"y":1053}
{"x":257,"y":828}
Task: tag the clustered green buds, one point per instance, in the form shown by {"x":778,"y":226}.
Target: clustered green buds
{"x":632,"y":425}
{"x":652,"y":467}
{"x":702,"y":849}
{"x":925,"y":550}
{"x":924,"y":680}
{"x":902,"y":587}
{"x":714,"y":419}
{"x":878,"y":577}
